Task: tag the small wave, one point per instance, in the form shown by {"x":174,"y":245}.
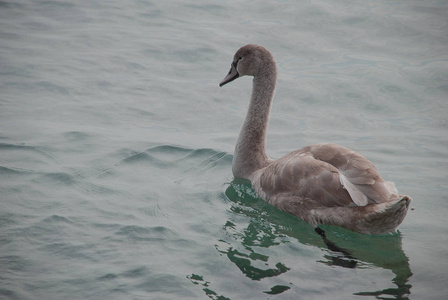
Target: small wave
{"x":159,"y":156}
{"x":132,"y":273}
{"x":19,"y":160}
{"x":13,"y":171}
{"x":162,"y":157}
{"x":107,"y":277}
{"x":61,"y":177}
{"x":7,"y":146}
{"x":135,"y":232}
{"x":17,"y":148}
{"x":53,"y":87}
{"x":9,"y":219}
{"x":206,"y":159}
{"x":57,"y":219}
{"x":70,"y":250}
{"x":135,"y":272}
{"x":137,"y":158}
{"x":184,"y":159}
{"x":165,"y":155}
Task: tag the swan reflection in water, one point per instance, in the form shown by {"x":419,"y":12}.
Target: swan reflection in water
{"x":270,"y":227}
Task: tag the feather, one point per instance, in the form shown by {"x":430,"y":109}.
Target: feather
{"x":357,"y":196}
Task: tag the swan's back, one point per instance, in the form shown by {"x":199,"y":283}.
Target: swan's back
{"x":330,"y":174}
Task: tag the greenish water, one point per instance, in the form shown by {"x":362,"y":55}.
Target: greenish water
{"x":116,"y":146}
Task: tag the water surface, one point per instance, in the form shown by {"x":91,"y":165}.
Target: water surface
{"x":116,"y":146}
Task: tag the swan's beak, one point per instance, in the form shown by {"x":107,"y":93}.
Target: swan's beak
{"x":233,"y":74}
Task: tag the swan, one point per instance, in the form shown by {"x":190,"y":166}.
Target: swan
{"x":321,"y":183}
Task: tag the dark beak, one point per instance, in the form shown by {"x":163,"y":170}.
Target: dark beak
{"x":233,"y":74}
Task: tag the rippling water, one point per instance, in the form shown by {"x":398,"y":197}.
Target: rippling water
{"x":116,"y":146}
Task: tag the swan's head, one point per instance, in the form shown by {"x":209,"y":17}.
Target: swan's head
{"x":252,"y":60}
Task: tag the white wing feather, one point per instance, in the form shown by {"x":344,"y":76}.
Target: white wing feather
{"x":357,"y":196}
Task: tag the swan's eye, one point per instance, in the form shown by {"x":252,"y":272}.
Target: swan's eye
{"x":240,"y":58}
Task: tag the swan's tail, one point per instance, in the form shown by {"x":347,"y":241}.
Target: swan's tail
{"x":373,"y":219}
{"x":384,"y":217}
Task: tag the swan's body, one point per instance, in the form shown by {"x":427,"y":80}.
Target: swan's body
{"x":320,"y":184}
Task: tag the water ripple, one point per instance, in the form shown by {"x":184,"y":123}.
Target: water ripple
{"x":116,"y":142}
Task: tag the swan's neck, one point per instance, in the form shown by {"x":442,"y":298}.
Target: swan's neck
{"x":250,"y":151}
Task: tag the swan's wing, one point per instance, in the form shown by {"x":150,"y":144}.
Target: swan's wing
{"x":323,"y":175}
{"x":299,"y":176}
{"x":357,"y":174}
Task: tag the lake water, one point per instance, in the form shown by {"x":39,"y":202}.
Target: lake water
{"x":116,"y":146}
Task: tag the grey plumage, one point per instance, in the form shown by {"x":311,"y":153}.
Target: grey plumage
{"x":320,"y":184}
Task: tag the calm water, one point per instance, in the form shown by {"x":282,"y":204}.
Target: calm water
{"x":116,"y":146}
